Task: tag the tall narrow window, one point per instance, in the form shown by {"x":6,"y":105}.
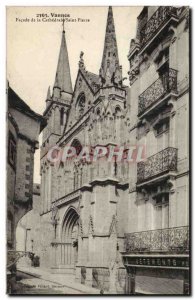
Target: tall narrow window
{"x":62,"y":116}
{"x":12,"y":150}
{"x":162,"y":212}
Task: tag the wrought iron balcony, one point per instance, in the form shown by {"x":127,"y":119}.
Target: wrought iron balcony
{"x":157,"y":164}
{"x":159,"y":89}
{"x":172,"y":240}
{"x":156,"y":22}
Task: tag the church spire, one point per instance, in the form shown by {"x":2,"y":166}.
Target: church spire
{"x":110,"y":72}
{"x":63,"y":79}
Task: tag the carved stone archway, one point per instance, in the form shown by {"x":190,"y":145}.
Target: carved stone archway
{"x":69,"y":238}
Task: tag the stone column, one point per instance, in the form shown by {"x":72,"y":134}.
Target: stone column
{"x":58,"y":255}
{"x":78,"y":274}
{"x":130,"y":281}
{"x":53,"y":251}
{"x":113,"y":279}
{"x":42,"y":191}
{"x":46,"y":189}
{"x":52,"y":119}
{"x":172,"y":209}
{"x":186,"y":283}
{"x":89,"y":277}
{"x":49,"y":189}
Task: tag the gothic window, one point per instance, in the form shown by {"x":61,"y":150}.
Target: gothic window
{"x":62,"y":116}
{"x":81,"y":103}
{"x":117,"y":111}
{"x":10,"y":230}
{"x":12,"y":150}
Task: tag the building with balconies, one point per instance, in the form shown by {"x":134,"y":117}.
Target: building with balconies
{"x":156,"y":253}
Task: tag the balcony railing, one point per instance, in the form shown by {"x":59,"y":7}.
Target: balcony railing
{"x":173,"y":240}
{"x":157,"y":20}
{"x":157,"y":164}
{"x":161,"y":87}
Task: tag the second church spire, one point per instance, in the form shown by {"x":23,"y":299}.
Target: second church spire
{"x":110,"y":71}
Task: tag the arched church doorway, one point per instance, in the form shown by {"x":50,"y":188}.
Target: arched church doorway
{"x":69,"y":238}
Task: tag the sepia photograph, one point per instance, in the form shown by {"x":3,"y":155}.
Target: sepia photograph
{"x":98,"y":150}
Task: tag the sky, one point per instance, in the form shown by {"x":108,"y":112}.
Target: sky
{"x":33,"y":47}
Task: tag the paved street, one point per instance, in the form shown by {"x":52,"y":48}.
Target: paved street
{"x":27,"y":284}
{"x":37,"y":281}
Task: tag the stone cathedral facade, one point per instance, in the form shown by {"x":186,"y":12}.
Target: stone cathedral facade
{"x":115,"y":225}
{"x":84,"y":202}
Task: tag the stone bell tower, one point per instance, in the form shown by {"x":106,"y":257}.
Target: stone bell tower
{"x":58,"y":104}
{"x":109,"y":179}
{"x":57,"y":108}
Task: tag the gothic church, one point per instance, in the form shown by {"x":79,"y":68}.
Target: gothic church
{"x":84,"y":204}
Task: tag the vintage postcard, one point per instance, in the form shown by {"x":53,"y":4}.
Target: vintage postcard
{"x":98,"y":105}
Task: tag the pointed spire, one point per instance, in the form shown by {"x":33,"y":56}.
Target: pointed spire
{"x":63,"y":79}
{"x":110,"y":71}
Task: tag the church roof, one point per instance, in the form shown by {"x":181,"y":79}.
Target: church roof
{"x":63,"y":78}
{"x":93,"y":80}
